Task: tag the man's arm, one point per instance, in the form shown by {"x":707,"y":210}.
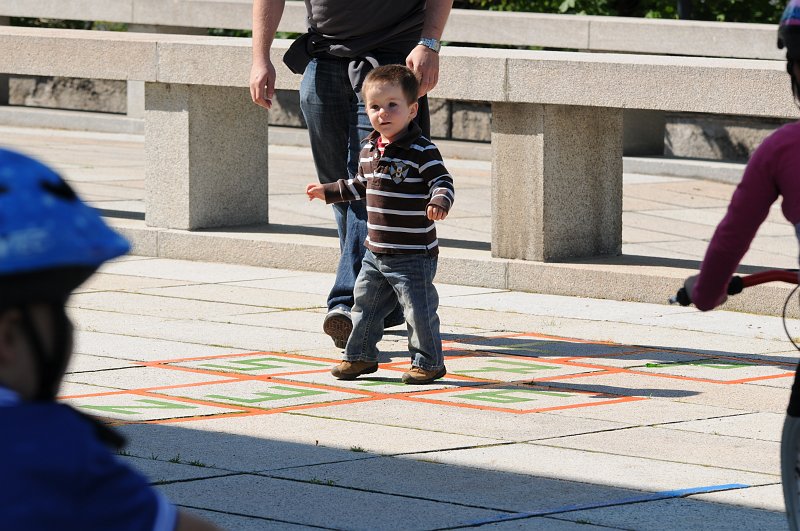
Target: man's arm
{"x":422,"y":60}
{"x":266,"y":17}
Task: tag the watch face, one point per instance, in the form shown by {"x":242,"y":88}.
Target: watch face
{"x":433,"y":44}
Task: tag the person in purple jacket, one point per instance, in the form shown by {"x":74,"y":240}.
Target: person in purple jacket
{"x":773,"y":172}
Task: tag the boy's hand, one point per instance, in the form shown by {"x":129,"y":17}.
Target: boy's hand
{"x":436,"y":213}
{"x":315,"y":191}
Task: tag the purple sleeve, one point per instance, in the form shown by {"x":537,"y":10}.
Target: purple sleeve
{"x":748,"y":209}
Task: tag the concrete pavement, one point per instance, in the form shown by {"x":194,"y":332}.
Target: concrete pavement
{"x":557,"y":412}
{"x":667,"y":222}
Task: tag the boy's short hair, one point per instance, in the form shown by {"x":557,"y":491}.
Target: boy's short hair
{"x":398,"y":75}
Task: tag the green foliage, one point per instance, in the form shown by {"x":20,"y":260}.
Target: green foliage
{"x":220,"y":32}
{"x":68,"y":24}
{"x":763,"y":11}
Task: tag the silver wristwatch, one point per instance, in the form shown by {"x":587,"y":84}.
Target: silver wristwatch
{"x":433,"y":44}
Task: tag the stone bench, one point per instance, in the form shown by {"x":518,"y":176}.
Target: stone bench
{"x":556,"y":131}
{"x":589,"y":33}
{"x":644,"y":131}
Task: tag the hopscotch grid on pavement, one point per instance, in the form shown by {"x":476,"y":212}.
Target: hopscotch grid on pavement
{"x":270,"y":411}
{"x":506,"y":373}
{"x":737,"y":359}
{"x":145,"y":389}
{"x":519,"y":395}
{"x":708,"y":380}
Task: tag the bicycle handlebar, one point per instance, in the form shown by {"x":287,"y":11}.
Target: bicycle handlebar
{"x":738,"y":283}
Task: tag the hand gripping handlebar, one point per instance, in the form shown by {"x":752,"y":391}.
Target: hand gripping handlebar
{"x":738,"y":283}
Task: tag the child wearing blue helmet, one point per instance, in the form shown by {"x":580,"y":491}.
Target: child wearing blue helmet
{"x":56,"y":470}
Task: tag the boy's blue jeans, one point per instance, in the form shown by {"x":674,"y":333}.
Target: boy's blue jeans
{"x":409,"y":279}
{"x":337,"y":123}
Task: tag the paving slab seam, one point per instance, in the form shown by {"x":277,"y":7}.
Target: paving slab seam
{"x":579,"y":522}
{"x":731,"y":357}
{"x":392,"y":494}
{"x":190,"y":480}
{"x":70,"y":373}
{"x":455,"y":449}
{"x":656,"y":496}
{"x":402,"y":454}
{"x":426,"y":430}
{"x":263,"y":518}
{"x":195,"y":299}
{"x":636,"y":426}
{"x":268,"y":471}
{"x":354,"y":421}
{"x":656,"y":459}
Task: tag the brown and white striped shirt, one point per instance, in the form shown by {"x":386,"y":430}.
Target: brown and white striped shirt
{"x":398,"y":186}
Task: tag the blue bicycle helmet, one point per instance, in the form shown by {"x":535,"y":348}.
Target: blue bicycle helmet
{"x":789,"y":30}
{"x":50,"y":240}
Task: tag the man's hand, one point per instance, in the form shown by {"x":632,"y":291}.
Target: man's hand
{"x":315,"y":191}
{"x":262,"y":84}
{"x":436,"y":213}
{"x":425,"y":64}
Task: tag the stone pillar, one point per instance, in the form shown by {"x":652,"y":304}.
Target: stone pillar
{"x":136,"y":88}
{"x":643,"y":132}
{"x":205,"y":157}
{"x":4,"y":89}
{"x":556,"y":182}
{"x":135,"y":95}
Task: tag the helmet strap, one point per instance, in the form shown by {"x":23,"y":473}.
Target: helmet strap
{"x":51,"y":364}
{"x":795,"y":82}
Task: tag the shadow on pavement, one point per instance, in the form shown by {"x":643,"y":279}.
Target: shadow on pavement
{"x":263,"y":482}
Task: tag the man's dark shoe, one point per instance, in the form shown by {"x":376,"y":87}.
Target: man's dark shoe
{"x":350,"y":370}
{"x":338,"y":325}
{"x":418,"y":375}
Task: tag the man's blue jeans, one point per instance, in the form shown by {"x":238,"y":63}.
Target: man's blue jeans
{"x":336,"y":125}
{"x":383,"y":279}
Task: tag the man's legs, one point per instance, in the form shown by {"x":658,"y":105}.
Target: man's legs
{"x":329,"y":108}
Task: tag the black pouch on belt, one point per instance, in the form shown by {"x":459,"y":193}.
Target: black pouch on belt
{"x":298,"y":55}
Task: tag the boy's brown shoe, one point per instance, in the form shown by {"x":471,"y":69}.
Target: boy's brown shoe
{"x":417,"y":375}
{"x":350,"y":370}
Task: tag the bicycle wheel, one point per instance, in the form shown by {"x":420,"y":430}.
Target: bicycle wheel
{"x":790,"y":470}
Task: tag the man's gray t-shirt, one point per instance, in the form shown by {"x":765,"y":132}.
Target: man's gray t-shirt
{"x":371,"y":19}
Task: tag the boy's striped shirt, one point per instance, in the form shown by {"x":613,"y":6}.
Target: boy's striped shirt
{"x":398,"y":187}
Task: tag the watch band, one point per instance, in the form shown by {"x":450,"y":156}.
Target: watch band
{"x":433,"y":44}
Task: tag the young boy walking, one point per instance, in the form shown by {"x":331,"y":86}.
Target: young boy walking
{"x":407,"y":188}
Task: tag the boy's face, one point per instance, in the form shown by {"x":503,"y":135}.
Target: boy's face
{"x":388,"y":110}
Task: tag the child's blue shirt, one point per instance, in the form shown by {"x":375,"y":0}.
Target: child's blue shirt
{"x":56,"y":474}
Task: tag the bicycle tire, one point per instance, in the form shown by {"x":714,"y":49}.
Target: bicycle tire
{"x":790,"y":470}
